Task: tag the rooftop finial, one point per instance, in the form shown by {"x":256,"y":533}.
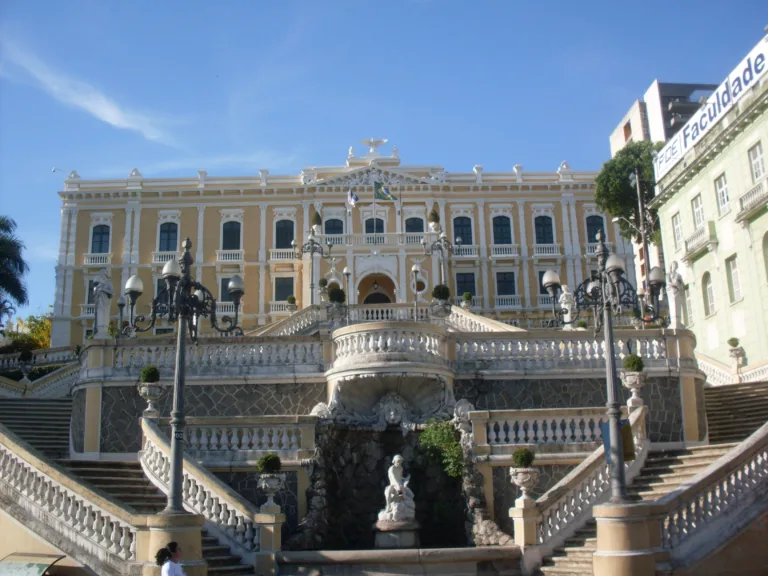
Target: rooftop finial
{"x":373,"y":143}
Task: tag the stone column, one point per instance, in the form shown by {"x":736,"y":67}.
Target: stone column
{"x":262,"y":292}
{"x":60,"y":326}
{"x":628,"y":540}
{"x":130,"y":213}
{"x":567,"y":243}
{"x":135,"y":245}
{"x":270,"y":525}
{"x":524,"y":255}
{"x":482,"y":251}
{"x":576,"y":246}
{"x":184,"y":529}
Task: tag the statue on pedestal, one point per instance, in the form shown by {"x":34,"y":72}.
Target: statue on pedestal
{"x":102,"y":294}
{"x":568,"y":305}
{"x":675,"y":293}
{"x":399,"y":498}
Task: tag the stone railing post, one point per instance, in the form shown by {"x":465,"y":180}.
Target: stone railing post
{"x":628,"y":540}
{"x":270,"y":521}
{"x":184,"y":529}
{"x":479,"y":420}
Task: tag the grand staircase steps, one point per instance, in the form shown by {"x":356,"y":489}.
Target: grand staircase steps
{"x":735,"y":411}
{"x":43,"y":423}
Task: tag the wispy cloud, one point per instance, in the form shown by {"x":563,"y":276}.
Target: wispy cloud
{"x":79,"y":94}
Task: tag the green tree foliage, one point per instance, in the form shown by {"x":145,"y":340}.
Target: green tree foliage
{"x":615,"y":194}
{"x":35,"y":333}
{"x":13,"y":267}
{"x":441,"y":440}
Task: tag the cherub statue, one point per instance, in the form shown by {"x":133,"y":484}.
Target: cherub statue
{"x":568,"y":305}
{"x":399,"y":498}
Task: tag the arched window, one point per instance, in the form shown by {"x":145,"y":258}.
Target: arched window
{"x":100,"y":239}
{"x":462,"y":228}
{"x":595,"y":224}
{"x":374,"y":226}
{"x":414,"y":225}
{"x":230,"y":236}
{"x":169,"y":236}
{"x":545,"y":233}
{"x":502,"y":230}
{"x":334,"y":226}
{"x":708,"y":292}
{"x":283,"y":233}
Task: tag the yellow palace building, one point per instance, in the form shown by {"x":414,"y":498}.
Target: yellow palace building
{"x":513,"y":226}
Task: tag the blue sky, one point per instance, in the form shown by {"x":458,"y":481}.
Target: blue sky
{"x":173,"y":87}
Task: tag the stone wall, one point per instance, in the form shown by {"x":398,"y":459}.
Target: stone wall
{"x":121,"y":406}
{"x":505,"y":492}
{"x":661,"y":395}
{"x":78,"y":420}
{"x":245,"y":484}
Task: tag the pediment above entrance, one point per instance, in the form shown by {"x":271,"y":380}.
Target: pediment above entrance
{"x":370,"y":175}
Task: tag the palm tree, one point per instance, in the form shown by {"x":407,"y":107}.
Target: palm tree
{"x":12,"y":264}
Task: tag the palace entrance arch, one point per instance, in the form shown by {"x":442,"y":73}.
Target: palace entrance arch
{"x":376,"y":289}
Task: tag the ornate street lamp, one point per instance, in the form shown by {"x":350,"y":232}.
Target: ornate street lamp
{"x":610,"y":293}
{"x":312,"y":247}
{"x":437,"y":308}
{"x":184,"y":301}
{"x":443,"y":247}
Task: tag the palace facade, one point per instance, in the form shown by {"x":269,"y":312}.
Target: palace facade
{"x":513,"y":226}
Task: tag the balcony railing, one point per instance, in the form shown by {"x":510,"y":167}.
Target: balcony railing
{"x":97,"y":259}
{"x":755,"y":199}
{"x":282,"y":254}
{"x":278,"y":307}
{"x":87,"y":309}
{"x":505,"y":251}
{"x":384,"y":239}
{"x":545,"y":301}
{"x":163,"y":257}
{"x":701,"y":240}
{"x":546,"y":250}
{"x":230,"y":255}
{"x":466,"y":251}
{"x":591,"y":248}
{"x":226,"y":307}
{"x":511,"y":301}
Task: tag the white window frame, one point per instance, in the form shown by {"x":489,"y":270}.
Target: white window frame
{"x":543,"y":210}
{"x":515,"y":270}
{"x":502,"y":210}
{"x":708,"y":295}
{"x":285,"y":213}
{"x":472,"y":270}
{"x":688,"y":301}
{"x":722,"y":195}
{"x":697,"y":208}
{"x":758,"y":161}
{"x":296,"y":286}
{"x":172,"y":217}
{"x":734,"y":279}
{"x":592,"y":212}
{"x":677,"y":230}
{"x":382,"y":212}
{"x":231,"y":215}
{"x":97,"y":219}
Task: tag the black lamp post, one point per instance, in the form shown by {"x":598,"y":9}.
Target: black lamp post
{"x":184,"y":301}
{"x":610,"y":293}
{"x":312,"y":247}
{"x":443,"y":247}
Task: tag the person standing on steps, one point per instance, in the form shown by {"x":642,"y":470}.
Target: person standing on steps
{"x":169,"y":558}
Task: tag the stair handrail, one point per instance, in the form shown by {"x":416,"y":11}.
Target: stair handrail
{"x":291,"y":325}
{"x":470,"y":322}
{"x":45,"y":490}
{"x":40,"y":387}
{"x":722,"y":495}
{"x":40,"y":357}
{"x":567,"y":506}
{"x":231,"y":518}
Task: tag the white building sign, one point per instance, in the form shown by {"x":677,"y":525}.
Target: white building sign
{"x":744,"y":76}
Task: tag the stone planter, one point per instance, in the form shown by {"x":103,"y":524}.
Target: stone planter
{"x":526,"y":479}
{"x":434,"y":227}
{"x":271,"y":484}
{"x":440,"y":308}
{"x":151,"y":392}
{"x":466,"y":304}
{"x":634,"y":382}
{"x":291,"y":308}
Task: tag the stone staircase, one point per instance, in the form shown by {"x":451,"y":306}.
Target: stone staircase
{"x":735,"y":411}
{"x":126,"y":482}
{"x":44,"y":423}
{"x":663,"y":471}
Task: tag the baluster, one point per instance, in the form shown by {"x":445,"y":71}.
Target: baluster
{"x":106,"y":533}
{"x":201,"y":492}
{"x":232,"y":524}
{"x":239,"y":530}
{"x":285,"y":443}
{"x":116,"y":536}
{"x":492,"y":436}
{"x":192,"y":438}
{"x":249,"y":536}
{"x":98,"y":527}
{"x":224,"y":514}
{"x":214,"y":440}
{"x":125,"y":543}
{"x":216,"y":511}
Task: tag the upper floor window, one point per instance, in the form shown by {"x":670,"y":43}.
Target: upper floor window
{"x":374,"y":226}
{"x":756,"y":162}
{"x":708,"y":292}
{"x":734,"y":280}
{"x":224,"y":290}
{"x":230,"y":236}
{"x":283,"y":289}
{"x":465,"y":282}
{"x":543,"y":229}
{"x":100,"y":239}
{"x":595,"y":224}
{"x":283,"y":233}
{"x":414,"y":225}
{"x":462,"y":228}
{"x":698,"y":212}
{"x":334,"y":226}
{"x":688,"y":307}
{"x":502,"y":230}
{"x":677,"y":230}
{"x":505,"y":283}
{"x":721,"y":190}
{"x":169,"y":237}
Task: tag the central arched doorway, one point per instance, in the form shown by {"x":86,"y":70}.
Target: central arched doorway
{"x":377,"y":298}
{"x":376,"y":289}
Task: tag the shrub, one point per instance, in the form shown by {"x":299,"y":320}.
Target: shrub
{"x":733,"y":342}
{"x":35,"y":373}
{"x":150,"y":374}
{"x":581,"y":324}
{"x":633,"y":363}
{"x":441,"y":292}
{"x":433,"y":216}
{"x":18,"y":343}
{"x":291,"y":299}
{"x":523,"y":458}
{"x":322,"y":283}
{"x":316,"y":220}
{"x":441,"y":440}
{"x":112,"y":329}
{"x":337,"y":296}
{"x":467,"y":296}
{"x":269,"y":464}
{"x":25,"y":355}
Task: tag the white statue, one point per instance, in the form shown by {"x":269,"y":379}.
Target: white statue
{"x":568,"y":305}
{"x":351,"y":153}
{"x":102,"y":294}
{"x":399,"y":498}
{"x":675,"y":293}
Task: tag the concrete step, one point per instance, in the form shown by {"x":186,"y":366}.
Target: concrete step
{"x":696,"y":467}
{"x":573,"y":552}
{"x":580,"y":563}
{"x":238,"y":570}
{"x":564,"y":571}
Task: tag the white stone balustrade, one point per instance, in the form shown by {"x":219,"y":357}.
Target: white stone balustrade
{"x":57,"y":384}
{"x":163,"y":257}
{"x":282,"y":254}
{"x":97,"y":259}
{"x":753,"y":199}
{"x":62,"y":355}
{"x":546,"y":250}
{"x":500,"y":251}
{"x":49,"y":495}
{"x":464,"y":321}
{"x":232,"y":256}
{"x":388,"y":313}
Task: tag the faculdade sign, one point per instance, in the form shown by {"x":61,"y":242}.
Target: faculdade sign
{"x":744,"y":76}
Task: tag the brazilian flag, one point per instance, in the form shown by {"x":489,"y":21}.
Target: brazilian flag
{"x":382,"y":193}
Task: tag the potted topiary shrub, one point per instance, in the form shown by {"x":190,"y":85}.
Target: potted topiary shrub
{"x":633,"y":379}
{"x":466,"y":300}
{"x":270,"y":480}
{"x":441,"y":293}
{"x":736,"y":352}
{"x":434,"y":221}
{"x":581,"y":325}
{"x":336,"y":296}
{"x":317,"y":222}
{"x":150,"y":390}
{"x":524,"y":475}
{"x":291,"y":304}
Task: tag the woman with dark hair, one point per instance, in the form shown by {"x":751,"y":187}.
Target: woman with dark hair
{"x":168,"y":558}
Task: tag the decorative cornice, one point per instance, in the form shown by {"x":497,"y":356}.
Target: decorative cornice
{"x":235,"y":214}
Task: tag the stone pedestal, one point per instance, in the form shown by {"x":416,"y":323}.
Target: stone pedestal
{"x":185,"y":529}
{"x":397,"y":534}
